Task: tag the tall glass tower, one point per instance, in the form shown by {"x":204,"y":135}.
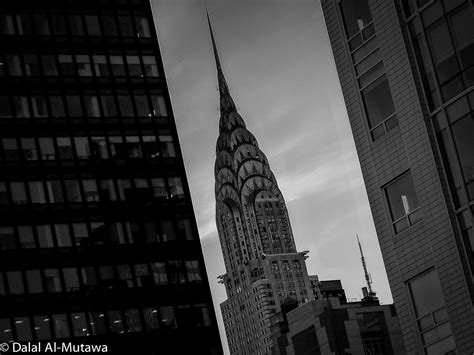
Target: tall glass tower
{"x":406,"y":69}
{"x":98,"y":240}
{"x":263,"y":267}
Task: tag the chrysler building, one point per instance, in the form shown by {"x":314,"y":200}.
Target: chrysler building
{"x":263,"y":267}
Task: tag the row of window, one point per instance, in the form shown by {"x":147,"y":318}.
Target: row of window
{"x":443,"y":41}
{"x":57,"y":24}
{"x":66,"y":148}
{"x":56,"y":106}
{"x":95,"y":232}
{"x":87,"y":190}
{"x":72,"y":279}
{"x":83,"y":65}
{"x":93,"y":323}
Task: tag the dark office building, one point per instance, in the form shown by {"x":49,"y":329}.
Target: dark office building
{"x":406,"y":69}
{"x":98,"y":241}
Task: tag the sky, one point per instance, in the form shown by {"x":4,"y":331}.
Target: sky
{"x":278,"y":63}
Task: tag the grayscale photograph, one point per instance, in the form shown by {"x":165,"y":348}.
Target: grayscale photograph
{"x":237,"y":177}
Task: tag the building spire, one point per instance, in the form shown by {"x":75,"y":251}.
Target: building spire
{"x":226,"y":102}
{"x":368,"y":279}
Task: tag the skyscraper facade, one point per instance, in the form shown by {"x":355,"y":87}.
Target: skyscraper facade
{"x":263,"y":267}
{"x":406,"y":69}
{"x":98,"y":240}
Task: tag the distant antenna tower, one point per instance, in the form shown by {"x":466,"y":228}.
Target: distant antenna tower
{"x":368,"y":278}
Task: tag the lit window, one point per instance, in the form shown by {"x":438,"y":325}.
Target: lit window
{"x":403,"y":203}
{"x":61,"y":328}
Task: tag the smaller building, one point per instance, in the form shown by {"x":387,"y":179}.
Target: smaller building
{"x":327,"y":289}
{"x":329,"y":326}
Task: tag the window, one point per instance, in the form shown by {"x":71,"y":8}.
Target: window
{"x":379,"y":107}
{"x":356,"y":15}
{"x":57,"y":106}
{"x":63,"y":235}
{"x":10,"y":149}
{"x":118,"y":68}
{"x":83,"y":65}
{"x":41,"y":326}
{"x":39,"y":106}
{"x":159,"y":188}
{"x":168,"y":318}
{"x":92,"y":106}
{"x":61,"y":328}
{"x":184,"y":229}
{"x":75,"y":23}
{"x":90,"y":190}
{"x":125,"y":276}
{"x":82,"y":147}
{"x":18,"y":193}
{"x":6,"y":25}
{"x":74,"y":106}
{"x":33,"y":279}
{"x":151,"y":318}
{"x":159,"y":273}
{"x":55,"y":191}
{"x":142,"y":275}
{"x":7,"y":238}
{"x":107,"y":190}
{"x":142,"y":105}
{"x":92,"y":25}
{"x":431,"y":313}
{"x":125,"y":105}
{"x":58,"y":23}
{"x":192,"y":269}
{"x":176,"y":187}
{"x":100,"y":65}
{"x":126,"y":26}
{"x":64,"y":147}
{"x":108,"y":105}
{"x":167,"y":146}
{"x":31,"y":65}
{"x":20,"y":103}
{"x":167,"y":231}
{"x":45,"y":236}
{"x":47,"y":148}
{"x":99,"y":148}
{"x":134,"y":67}
{"x":151,"y":68}
{"x":110,"y":26}
{"x":5,"y":109}
{"x":27,"y":239}
{"x":13,"y":65}
{"x":176,"y":272}
{"x":15,"y":282}
{"x":23,"y":329}
{"x":49,"y":65}
{"x":71,"y":279}
{"x":66,"y":64}
{"x":143,"y":30}
{"x":53,"y":282}
{"x":403,"y":203}
{"x":115,"y":322}
{"x":81,"y":234}
{"x":28,"y":149}
{"x":79,"y":324}
{"x":159,"y":106}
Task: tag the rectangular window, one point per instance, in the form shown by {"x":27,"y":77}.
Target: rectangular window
{"x":143,"y":29}
{"x":20,"y":103}
{"x":159,"y":106}
{"x":6,"y":25}
{"x":7,"y":238}
{"x":18,"y":192}
{"x":47,"y":148}
{"x":13,"y":65}
{"x":10,"y":149}
{"x":49,"y":65}
{"x":42,"y":329}
{"x":79,"y":324}
{"x":27,"y":239}
{"x":108,"y":105}
{"x":64,"y":148}
{"x":432,"y":317}
{"x":403,"y":203}
{"x":55,"y":191}
{"x":90,"y":190}
{"x":39,"y":106}
{"x":57,"y":106}
{"x":5,"y":108}
{"x":110,"y":26}
{"x":61,"y":327}
{"x":126,"y":26}
{"x":66,"y":64}
{"x":63,"y":235}
{"x":167,"y":146}
{"x":52,"y":279}
{"x":92,"y":25}
{"x":176,"y":187}
{"x":83,"y":65}
{"x":73,"y":191}
{"x":356,"y":15}
{"x":151,"y":68}
{"x":82,"y":147}
{"x":23,"y":329}
{"x":92,"y":106}
{"x":81,"y":235}
{"x":100,"y":65}
{"x":33,"y":278}
{"x":99,"y":148}
{"x":134,"y":67}
{"x":31,"y":65}
{"x":118,"y":67}
{"x":71,"y":279}
{"x":107,"y":190}
{"x":15,"y":282}
{"x":379,"y":107}
{"x":45,"y":236}
{"x":75,"y":23}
